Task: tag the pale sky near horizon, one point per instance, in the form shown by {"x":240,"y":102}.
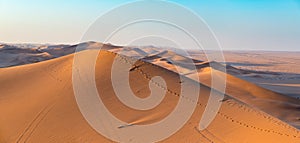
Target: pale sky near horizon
{"x":238,"y":24}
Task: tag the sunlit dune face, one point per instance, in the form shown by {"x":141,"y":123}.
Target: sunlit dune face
{"x":108,"y":96}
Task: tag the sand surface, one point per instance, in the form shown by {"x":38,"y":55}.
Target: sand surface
{"x":278,"y":71}
{"x":37,"y":102}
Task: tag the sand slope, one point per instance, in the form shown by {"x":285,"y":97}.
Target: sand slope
{"x":37,"y":104}
{"x":266,"y":100}
{"x":274,"y":70}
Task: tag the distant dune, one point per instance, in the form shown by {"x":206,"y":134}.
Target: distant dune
{"x":21,"y":54}
{"x":278,"y":71}
{"x":37,"y":102}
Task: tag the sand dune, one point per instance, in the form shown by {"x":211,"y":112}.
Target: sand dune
{"x":265,"y":68}
{"x":21,"y":54}
{"x":268,"y":101}
{"x":37,"y":104}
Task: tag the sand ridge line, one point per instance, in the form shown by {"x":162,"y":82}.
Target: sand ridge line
{"x":147,"y":76}
{"x":242,"y":105}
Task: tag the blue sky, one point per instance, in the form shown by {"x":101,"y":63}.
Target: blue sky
{"x":238,"y":24}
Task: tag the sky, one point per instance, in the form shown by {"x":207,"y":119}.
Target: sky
{"x":238,"y":24}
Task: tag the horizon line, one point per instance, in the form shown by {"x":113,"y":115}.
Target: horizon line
{"x":157,"y":46}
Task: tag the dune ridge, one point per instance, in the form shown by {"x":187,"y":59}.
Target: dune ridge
{"x":38,"y":105}
{"x":263,"y":99}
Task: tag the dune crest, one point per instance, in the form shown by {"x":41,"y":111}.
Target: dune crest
{"x":38,"y":105}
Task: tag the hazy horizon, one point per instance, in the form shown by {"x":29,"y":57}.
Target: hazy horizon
{"x":157,"y":46}
{"x":239,"y":25}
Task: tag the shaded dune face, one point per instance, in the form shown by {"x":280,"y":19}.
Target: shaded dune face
{"x":37,"y":104}
{"x":273,"y":103}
